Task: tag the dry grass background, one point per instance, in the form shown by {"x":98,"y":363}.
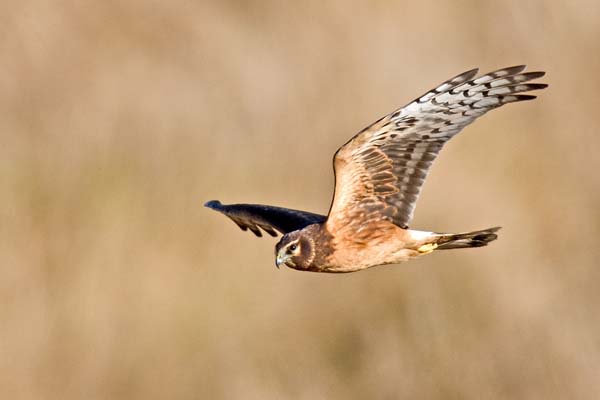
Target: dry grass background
{"x":119,"y":119}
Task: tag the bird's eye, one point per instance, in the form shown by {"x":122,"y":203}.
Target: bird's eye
{"x":293,"y":247}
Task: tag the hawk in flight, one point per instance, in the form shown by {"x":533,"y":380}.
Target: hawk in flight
{"x":378,"y":176}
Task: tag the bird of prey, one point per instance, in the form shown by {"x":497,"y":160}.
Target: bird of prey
{"x":378,"y":177}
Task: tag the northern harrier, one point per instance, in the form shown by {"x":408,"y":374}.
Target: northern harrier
{"x":378,"y":177}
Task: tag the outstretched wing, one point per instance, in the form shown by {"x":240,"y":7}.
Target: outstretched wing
{"x":267,"y":218}
{"x":380,"y":171}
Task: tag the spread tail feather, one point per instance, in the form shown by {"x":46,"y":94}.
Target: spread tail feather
{"x":468,"y":239}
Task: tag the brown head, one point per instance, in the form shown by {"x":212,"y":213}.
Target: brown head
{"x":296,"y":249}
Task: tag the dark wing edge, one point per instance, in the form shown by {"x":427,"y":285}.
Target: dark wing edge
{"x":268,"y":218}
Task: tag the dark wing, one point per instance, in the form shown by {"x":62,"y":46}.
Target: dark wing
{"x":268,"y":218}
{"x":380,"y":171}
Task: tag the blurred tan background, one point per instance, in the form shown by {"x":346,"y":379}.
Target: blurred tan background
{"x":120,"y":119}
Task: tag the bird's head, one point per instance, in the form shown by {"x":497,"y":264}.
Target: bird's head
{"x":295,"y":249}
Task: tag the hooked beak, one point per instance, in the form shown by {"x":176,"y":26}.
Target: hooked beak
{"x":280,"y":259}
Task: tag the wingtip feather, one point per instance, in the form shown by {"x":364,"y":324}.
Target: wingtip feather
{"x":471,"y":72}
{"x":464,"y":76}
{"x":534,"y":74}
{"x":524,"y":97}
{"x":515,"y":69}
{"x":213,"y":204}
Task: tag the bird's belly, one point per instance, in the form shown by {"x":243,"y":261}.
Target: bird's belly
{"x":371,"y":256}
